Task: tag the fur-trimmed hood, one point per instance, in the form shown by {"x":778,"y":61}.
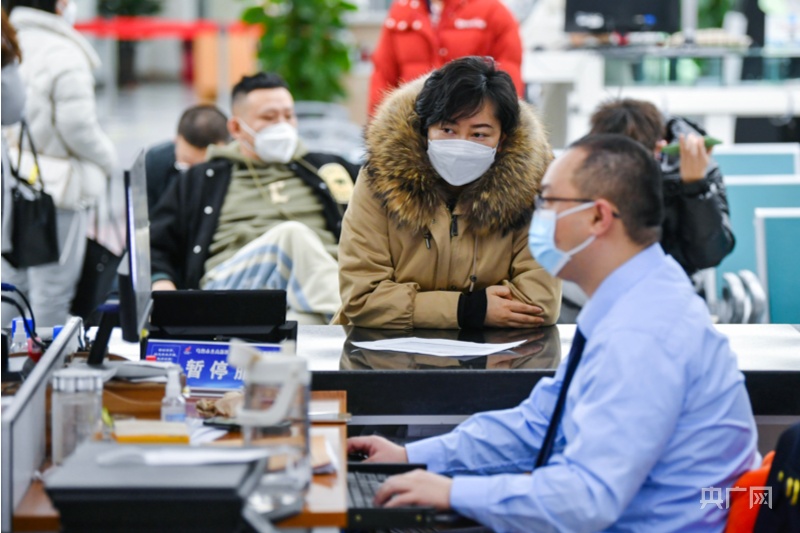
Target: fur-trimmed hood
{"x":400,"y":174}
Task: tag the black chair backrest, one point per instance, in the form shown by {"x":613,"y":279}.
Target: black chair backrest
{"x":783,"y":515}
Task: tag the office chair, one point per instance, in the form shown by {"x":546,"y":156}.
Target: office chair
{"x":705,"y":285}
{"x":328,"y":135}
{"x":313,"y":109}
{"x":319,"y":127}
{"x":734,"y":307}
{"x":757,"y":295}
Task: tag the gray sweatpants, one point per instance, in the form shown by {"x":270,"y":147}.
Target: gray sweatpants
{"x":289,"y":257}
{"x":50,"y":288}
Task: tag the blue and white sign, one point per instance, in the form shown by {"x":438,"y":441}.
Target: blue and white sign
{"x":204,"y":363}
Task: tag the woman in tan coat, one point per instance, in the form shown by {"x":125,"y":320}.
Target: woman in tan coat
{"x":436,"y":232}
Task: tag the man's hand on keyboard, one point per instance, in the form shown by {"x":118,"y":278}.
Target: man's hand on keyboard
{"x":377,"y":450}
{"x":418,"y":487}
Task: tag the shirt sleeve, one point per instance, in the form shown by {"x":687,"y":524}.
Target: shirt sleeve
{"x":493,"y":442}
{"x":706,"y":236}
{"x":167,"y":236}
{"x":623,"y":404}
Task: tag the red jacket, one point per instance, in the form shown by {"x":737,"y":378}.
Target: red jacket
{"x":409,"y":46}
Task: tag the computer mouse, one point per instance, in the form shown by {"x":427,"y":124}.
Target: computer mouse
{"x":356,"y":457}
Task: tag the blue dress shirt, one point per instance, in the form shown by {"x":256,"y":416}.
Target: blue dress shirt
{"x":657,"y":411}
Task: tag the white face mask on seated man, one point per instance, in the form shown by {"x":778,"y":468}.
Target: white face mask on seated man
{"x":273,"y":144}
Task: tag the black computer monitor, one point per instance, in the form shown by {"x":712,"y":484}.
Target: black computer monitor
{"x":603,"y":16}
{"x":134,"y":271}
{"x":132,"y":309}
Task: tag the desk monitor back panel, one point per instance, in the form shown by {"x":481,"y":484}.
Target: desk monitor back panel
{"x":23,"y":422}
{"x":600,"y":16}
{"x":133,"y":274}
{"x":258,"y":315}
{"x":134,"y":280}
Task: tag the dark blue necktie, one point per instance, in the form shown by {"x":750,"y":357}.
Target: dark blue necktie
{"x":575,"y":353}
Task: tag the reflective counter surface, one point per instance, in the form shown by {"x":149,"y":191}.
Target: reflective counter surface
{"x":395,"y":384}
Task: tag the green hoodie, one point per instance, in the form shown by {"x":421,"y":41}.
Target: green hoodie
{"x":261,"y":196}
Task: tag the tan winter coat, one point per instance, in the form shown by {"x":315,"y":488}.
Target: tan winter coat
{"x":399,"y":265}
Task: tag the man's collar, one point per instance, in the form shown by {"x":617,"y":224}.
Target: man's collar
{"x":616,"y":285}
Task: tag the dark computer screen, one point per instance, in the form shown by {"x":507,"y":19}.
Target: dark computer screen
{"x":601,"y":16}
{"x":134,"y":271}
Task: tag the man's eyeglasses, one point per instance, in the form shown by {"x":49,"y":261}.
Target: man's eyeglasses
{"x":540,"y":201}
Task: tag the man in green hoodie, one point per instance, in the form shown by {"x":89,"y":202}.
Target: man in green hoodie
{"x":260,"y":213}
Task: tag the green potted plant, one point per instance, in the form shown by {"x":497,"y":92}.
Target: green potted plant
{"x":710,"y":13}
{"x":126,"y":66}
{"x":306,"y":42}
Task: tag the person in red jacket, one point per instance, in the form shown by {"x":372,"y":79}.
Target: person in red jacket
{"x":421,"y":35}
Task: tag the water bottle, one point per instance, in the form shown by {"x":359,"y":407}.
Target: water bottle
{"x":274,"y":414}
{"x":19,"y":339}
{"x":173,"y":406}
{"x":77,"y":401}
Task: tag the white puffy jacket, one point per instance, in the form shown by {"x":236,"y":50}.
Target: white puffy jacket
{"x":60,"y":109}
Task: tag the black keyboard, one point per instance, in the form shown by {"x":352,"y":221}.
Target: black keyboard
{"x":362,"y":487}
{"x":363,"y":482}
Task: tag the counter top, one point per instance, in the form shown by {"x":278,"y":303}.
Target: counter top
{"x":392,"y":387}
{"x":758,"y":347}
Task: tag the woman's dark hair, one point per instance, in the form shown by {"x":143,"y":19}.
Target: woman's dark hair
{"x":10,"y":45}
{"x":461,"y":88}
{"x":44,"y":5}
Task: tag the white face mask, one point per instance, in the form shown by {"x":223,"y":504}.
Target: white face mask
{"x":70,"y":13}
{"x":460,"y":162}
{"x":274,"y":144}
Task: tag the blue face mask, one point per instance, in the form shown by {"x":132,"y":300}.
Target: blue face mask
{"x":542,"y":239}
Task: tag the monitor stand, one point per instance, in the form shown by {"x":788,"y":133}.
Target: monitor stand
{"x":109,"y":319}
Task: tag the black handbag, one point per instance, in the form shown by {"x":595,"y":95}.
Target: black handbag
{"x":34,"y":236}
{"x":97,"y":279}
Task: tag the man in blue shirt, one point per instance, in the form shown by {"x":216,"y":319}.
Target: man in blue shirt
{"x":656,"y":416}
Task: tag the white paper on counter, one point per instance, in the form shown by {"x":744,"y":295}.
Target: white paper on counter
{"x":438,"y":347}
